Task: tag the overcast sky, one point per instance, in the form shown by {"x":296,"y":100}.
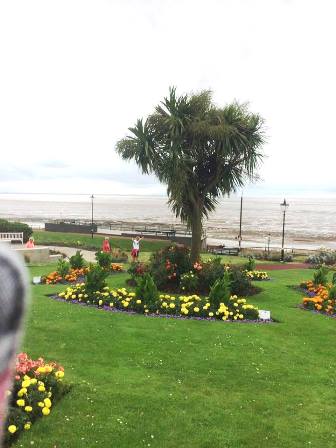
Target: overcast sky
{"x":75,"y":74}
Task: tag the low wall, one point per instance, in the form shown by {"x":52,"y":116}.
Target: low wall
{"x":34,"y":255}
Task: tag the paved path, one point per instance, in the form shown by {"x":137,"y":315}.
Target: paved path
{"x":88,"y":255}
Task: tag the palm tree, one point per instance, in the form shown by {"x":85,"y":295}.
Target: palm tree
{"x":199,"y":151}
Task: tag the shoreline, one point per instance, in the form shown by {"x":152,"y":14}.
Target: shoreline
{"x":216,"y":234}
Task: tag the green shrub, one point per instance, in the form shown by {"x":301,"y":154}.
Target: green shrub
{"x":273,"y":256}
{"x":240,"y":284}
{"x":118,"y":256}
{"x":212,"y":270}
{"x":104,"y":259}
{"x":77,"y":261}
{"x":168,"y":264}
{"x":324,"y":256}
{"x":95,"y":279}
{"x":320,"y":276}
{"x":251,"y":264}
{"x":7,"y":226}
{"x":147,"y":291}
{"x":332,"y":293}
{"x":189,"y":282}
{"x":334,"y":278}
{"x":137,"y":269}
{"x":220,"y":292}
{"x":63,"y":267}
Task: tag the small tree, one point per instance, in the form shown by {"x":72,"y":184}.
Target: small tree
{"x":200,"y":151}
{"x":220,"y":292}
{"x":77,"y":260}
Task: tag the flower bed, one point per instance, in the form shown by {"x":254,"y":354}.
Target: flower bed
{"x":37,"y":386}
{"x":73,"y":276}
{"x":257,"y":275}
{"x":177,"y":306}
{"x":318,"y":298}
{"x":116,"y":267}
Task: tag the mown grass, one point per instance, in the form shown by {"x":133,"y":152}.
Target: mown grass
{"x":147,"y":245}
{"x":141,"y":381}
{"x":86,"y":242}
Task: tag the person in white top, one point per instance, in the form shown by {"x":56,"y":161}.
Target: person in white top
{"x":136,"y":247}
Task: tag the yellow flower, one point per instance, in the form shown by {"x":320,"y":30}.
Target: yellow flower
{"x":45,"y":411}
{"x":59,"y":374}
{"x":100,"y":302}
{"x":28,"y":408}
{"x":111,"y":304}
{"x":20,"y":403}
{"x":27,"y":426}
{"x":40,"y":404}
{"x":41,"y":388}
{"x":172,"y":305}
{"x":22,"y":392}
{"x":196,"y":309}
{"x":12,"y":429}
{"x":41,"y":370}
{"x":47,"y":402}
{"x":33,"y":381}
{"x":138,"y":302}
{"x":211,"y":314}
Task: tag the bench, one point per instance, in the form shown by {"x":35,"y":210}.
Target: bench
{"x":11,"y":236}
{"x":167,"y":233}
{"x":222,"y":250}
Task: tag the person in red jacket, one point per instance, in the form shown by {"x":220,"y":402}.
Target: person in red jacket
{"x":30,"y":243}
{"x":106,"y":245}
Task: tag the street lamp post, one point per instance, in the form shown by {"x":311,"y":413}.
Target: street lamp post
{"x":92,"y":198}
{"x":284,"y":206}
{"x":240,"y":222}
{"x":268,"y":243}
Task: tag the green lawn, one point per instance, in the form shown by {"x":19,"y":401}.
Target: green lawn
{"x":142,"y":381}
{"x":147,"y":245}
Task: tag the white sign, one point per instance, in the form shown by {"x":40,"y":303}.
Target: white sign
{"x":264,"y":315}
{"x":36,"y":280}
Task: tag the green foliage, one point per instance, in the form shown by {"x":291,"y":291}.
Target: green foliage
{"x":334,"y":278}
{"x":320,"y":276}
{"x":168,"y":264}
{"x":324,"y":256}
{"x":104,"y":259}
{"x":63,"y":267}
{"x":95,"y":279}
{"x":189,"y":282}
{"x":200,"y":151}
{"x":251,"y":264}
{"x":137,"y":269}
{"x":211,"y":271}
{"x":118,"y":256}
{"x":332,"y":292}
{"x":273,"y":256}
{"x":147,"y":291}
{"x":7,"y":226}
{"x":240,"y":284}
{"x":77,"y":261}
{"x":220,"y":292}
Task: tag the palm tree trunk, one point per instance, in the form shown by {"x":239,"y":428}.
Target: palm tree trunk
{"x":196,"y":233}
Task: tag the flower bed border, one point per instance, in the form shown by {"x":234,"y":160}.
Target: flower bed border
{"x":160,"y":315}
{"x":322,"y":313}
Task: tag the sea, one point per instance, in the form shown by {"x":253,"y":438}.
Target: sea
{"x":309,"y":222}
